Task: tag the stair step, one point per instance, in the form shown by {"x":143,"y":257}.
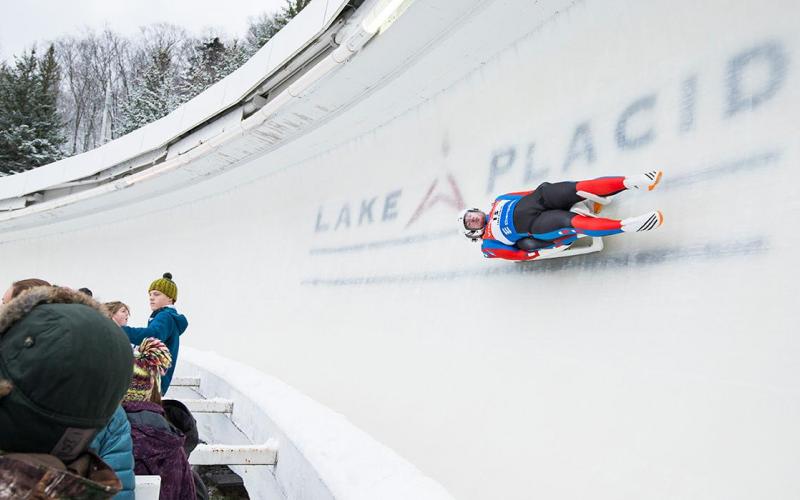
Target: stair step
{"x":216,"y":405}
{"x":185,"y":382}
{"x":148,"y":487}
{"x":222,"y":454}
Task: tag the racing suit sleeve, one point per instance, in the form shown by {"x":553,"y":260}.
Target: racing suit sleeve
{"x":513,"y":196}
{"x":493,"y":249}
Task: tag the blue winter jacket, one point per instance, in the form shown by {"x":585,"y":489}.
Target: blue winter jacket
{"x":114,"y":445}
{"x":167,"y":325}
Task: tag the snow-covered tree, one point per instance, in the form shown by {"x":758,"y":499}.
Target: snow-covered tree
{"x":156,"y":59}
{"x":265,"y":26}
{"x":48,"y":122}
{"x":291,"y":9}
{"x":30,"y":127}
{"x":98,"y":86}
{"x":153,"y":96}
{"x":96,"y":77}
{"x":260,"y":30}
{"x":210,"y":61}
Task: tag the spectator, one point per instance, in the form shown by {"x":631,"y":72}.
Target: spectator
{"x":119,"y":311}
{"x":63,"y":371}
{"x":165,"y":323}
{"x":179,"y":415}
{"x":115,"y":446}
{"x":20,"y":286}
{"x":113,"y":443}
{"x":158,"y":446}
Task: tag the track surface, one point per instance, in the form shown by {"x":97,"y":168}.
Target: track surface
{"x":664,"y":367}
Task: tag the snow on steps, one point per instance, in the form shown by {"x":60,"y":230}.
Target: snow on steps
{"x":185,"y":382}
{"x":221,"y":453}
{"x":147,"y":487}
{"x":217,"y":454}
{"x":216,"y":405}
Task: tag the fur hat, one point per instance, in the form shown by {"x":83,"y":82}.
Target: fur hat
{"x":166,"y":286}
{"x":150,"y":360}
{"x":64,"y":367}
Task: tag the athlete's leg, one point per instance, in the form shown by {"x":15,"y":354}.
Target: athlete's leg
{"x":554,"y":224}
{"x":563,"y":195}
{"x":599,"y":190}
{"x":557,"y":195}
{"x":604,"y":186}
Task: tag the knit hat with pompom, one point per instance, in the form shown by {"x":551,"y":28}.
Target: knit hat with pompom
{"x":151,"y":359}
{"x":166,"y":286}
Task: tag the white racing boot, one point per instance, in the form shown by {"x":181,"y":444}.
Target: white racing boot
{"x":647,"y":180}
{"x":646,"y":222}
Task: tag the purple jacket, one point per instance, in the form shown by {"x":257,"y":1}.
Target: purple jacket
{"x":158,"y":450}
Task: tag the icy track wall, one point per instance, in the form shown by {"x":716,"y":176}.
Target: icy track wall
{"x":663,"y":367}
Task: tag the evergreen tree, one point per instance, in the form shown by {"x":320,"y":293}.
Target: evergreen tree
{"x":291,"y":9}
{"x":48,"y":124}
{"x":210,"y":62}
{"x":154,"y":94}
{"x":130,"y":82}
{"x":30,"y":126}
{"x":259,"y":32}
{"x":266,"y":26}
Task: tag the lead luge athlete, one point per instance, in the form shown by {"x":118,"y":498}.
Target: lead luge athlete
{"x":530,"y":224}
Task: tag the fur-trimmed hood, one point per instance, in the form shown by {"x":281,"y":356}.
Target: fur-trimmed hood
{"x":21,"y":305}
{"x":65,"y":366}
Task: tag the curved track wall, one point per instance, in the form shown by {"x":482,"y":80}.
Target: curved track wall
{"x":664,"y":367}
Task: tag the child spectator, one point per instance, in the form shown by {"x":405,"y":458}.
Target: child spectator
{"x":113,"y":443}
{"x":165,"y":323}
{"x":158,"y":446}
{"x":119,"y":311}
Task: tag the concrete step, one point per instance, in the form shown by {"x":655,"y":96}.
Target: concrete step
{"x":222,"y":442}
{"x":216,"y":405}
{"x":226,"y":454}
{"x":185,"y":382}
{"x":183,"y":392}
{"x":147,"y":487}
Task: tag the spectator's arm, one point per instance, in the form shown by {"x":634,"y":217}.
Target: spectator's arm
{"x":157,"y":328}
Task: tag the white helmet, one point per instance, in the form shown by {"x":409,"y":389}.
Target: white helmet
{"x":471,"y":234}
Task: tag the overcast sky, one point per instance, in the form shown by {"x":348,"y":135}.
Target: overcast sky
{"x":24,"y":22}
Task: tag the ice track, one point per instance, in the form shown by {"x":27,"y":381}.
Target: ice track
{"x":319,"y":246}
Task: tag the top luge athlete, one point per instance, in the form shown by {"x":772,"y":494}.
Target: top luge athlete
{"x":532,"y":224}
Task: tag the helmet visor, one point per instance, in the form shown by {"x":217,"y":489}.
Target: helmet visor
{"x":474,"y":220}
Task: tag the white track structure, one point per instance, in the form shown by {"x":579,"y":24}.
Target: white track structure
{"x":306,"y":206}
